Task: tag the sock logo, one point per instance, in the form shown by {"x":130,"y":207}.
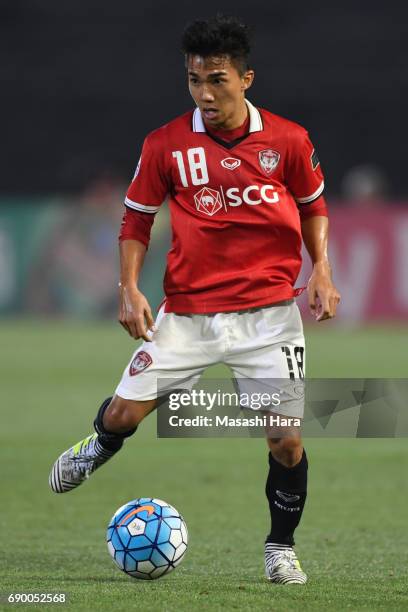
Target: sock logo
{"x":287,"y":497}
{"x":285,"y":508}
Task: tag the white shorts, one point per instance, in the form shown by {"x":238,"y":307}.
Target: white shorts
{"x":257,"y":344}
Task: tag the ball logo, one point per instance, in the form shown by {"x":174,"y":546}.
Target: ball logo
{"x":208,"y":201}
{"x":231,"y":163}
{"x":147,"y":508}
{"x":268,"y":160}
{"x":140,"y":362}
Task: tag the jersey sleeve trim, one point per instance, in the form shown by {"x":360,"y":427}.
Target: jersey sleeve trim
{"x":141,"y":207}
{"x":313,"y":196}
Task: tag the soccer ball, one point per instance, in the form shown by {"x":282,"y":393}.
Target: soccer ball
{"x":147,"y":538}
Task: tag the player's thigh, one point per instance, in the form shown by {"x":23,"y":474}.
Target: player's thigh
{"x":269,"y":343}
{"x":180,"y":349}
{"x":272,"y":361}
{"x":282,"y":352}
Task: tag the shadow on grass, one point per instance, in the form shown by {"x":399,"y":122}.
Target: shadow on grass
{"x":196,"y":583}
{"x":95,"y":579}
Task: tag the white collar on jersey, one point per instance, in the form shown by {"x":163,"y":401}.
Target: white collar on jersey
{"x":255,"y":119}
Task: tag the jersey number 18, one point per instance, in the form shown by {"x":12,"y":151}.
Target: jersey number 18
{"x":197,"y":164}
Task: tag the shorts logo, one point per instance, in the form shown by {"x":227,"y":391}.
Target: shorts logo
{"x":140,"y":362}
{"x":208,"y":201}
{"x":230,"y":163}
{"x":268,"y":160}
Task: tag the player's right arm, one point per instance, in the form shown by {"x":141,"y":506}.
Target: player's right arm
{"x":145,"y":195}
{"x":135,"y":314}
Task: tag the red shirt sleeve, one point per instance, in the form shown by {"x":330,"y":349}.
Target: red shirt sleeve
{"x":318,"y":208}
{"x":136,"y":226}
{"x":304,"y":175}
{"x":149,"y":186}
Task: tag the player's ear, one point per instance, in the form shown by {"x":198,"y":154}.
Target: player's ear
{"x":247,"y":79}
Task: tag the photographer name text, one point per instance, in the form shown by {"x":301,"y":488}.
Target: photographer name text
{"x":226,"y":421}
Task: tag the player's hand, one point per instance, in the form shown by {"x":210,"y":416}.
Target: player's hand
{"x":322,"y":294}
{"x":135,"y":314}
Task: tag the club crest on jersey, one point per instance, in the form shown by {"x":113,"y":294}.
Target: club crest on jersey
{"x":208,"y":201}
{"x":140,"y":362}
{"x":268,"y":160}
{"x":231,"y":163}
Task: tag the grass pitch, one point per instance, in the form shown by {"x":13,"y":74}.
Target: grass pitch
{"x":352,"y":540}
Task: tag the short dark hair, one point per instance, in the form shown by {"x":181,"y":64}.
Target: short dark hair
{"x":221,"y":35}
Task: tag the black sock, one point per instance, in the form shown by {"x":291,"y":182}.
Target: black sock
{"x":286,"y":493}
{"x":109,"y":440}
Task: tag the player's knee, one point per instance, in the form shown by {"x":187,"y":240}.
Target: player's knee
{"x":123,"y":415}
{"x":287,"y":451}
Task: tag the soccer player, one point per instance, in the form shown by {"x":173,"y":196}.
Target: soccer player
{"x":244,"y":187}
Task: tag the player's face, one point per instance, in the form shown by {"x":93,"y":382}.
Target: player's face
{"x":218,"y":89}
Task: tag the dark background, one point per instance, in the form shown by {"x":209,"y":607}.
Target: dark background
{"x":82,"y":83}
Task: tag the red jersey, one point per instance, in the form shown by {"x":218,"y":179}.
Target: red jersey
{"x":236,"y":236}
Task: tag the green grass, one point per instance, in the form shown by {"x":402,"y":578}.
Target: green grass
{"x":352,"y":540}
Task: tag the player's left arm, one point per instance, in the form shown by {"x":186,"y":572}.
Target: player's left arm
{"x":306,"y":182}
{"x":322,"y":294}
